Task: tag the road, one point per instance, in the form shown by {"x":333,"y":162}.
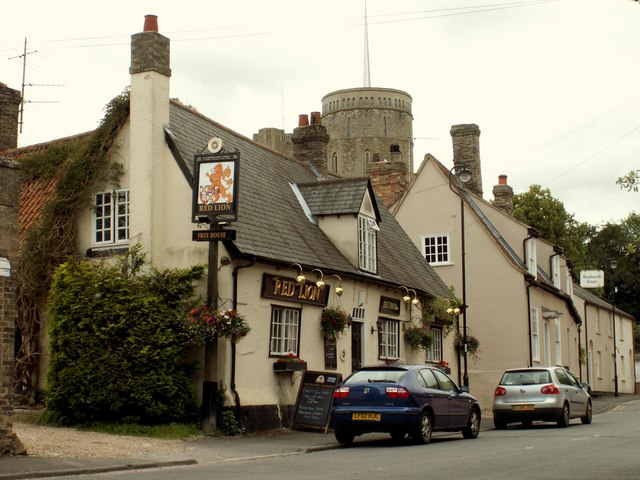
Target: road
{"x":605,"y":449}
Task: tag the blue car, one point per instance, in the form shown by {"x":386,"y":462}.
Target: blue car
{"x":402,"y":399}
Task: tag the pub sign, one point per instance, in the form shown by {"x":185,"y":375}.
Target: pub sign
{"x":283,"y":288}
{"x":215,"y":187}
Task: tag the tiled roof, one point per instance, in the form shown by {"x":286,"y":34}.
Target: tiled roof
{"x":273,"y":227}
{"x":336,"y":197}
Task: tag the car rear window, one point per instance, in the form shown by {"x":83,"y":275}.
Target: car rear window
{"x":377,"y":375}
{"x":535,"y":377}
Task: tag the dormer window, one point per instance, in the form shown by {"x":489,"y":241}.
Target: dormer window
{"x":367,"y":243}
{"x":555,"y":271}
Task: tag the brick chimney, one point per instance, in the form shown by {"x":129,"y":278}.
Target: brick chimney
{"x":466,"y":150}
{"x":389,"y":179}
{"x":310,"y":140}
{"x":9,"y":109}
{"x":503,"y":195}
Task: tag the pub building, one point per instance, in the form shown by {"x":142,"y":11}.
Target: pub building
{"x":284,"y":240}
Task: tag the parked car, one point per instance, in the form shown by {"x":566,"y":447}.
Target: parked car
{"x":402,"y":399}
{"x":549,"y":394}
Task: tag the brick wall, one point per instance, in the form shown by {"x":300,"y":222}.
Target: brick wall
{"x":9,"y":109}
{"x":9,"y":201}
{"x":388,"y":179}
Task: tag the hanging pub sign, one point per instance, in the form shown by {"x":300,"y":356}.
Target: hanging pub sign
{"x":215,"y":187}
{"x":282,"y":288}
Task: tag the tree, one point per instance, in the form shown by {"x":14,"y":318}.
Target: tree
{"x":117,"y":349}
{"x":631,"y":181}
{"x":539,"y":209}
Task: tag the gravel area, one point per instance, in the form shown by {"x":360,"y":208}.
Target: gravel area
{"x":68,"y":442}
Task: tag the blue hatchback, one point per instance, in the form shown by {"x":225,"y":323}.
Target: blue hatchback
{"x":402,"y":399}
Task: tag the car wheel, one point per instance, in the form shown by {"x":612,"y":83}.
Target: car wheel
{"x":499,"y":424}
{"x":587,"y":416}
{"x":344,"y":438}
{"x":473,"y":427}
{"x":397,"y":435}
{"x":422,"y":435}
{"x":563,"y":419}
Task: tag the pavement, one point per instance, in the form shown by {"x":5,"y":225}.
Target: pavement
{"x":213,"y":450}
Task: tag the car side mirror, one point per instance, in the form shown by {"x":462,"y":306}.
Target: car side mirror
{"x":464,"y":389}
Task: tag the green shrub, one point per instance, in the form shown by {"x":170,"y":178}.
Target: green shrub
{"x":117,"y":351}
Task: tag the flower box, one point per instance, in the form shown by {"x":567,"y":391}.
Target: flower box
{"x":289,"y":366}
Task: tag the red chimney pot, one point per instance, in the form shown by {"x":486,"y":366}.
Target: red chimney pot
{"x":150,"y":23}
{"x":502,"y":179}
{"x":303,"y":120}
{"x":316,"y":118}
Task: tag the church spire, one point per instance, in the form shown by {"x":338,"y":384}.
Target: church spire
{"x":367,"y":73}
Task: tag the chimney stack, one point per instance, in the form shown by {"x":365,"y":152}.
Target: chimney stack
{"x":310,"y":142}
{"x":466,"y":151}
{"x":150,"y":50}
{"x":9,"y":110}
{"x":503,"y":195}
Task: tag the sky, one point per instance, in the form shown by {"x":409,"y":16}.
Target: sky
{"x":552,"y":84}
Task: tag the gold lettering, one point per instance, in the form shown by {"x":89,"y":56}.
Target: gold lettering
{"x":277,"y":289}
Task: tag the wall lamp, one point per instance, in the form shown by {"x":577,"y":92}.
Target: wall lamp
{"x":453,"y":311}
{"x":300,"y":278}
{"x":406,"y":298}
{"x":320,"y":283}
{"x":339,"y":290}
{"x":378,"y":325}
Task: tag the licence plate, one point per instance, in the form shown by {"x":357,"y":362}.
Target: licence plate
{"x":366,"y":416}
{"x":523,"y":408}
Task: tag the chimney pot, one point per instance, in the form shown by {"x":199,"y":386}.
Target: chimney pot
{"x":150,"y":23}
{"x":303,"y":120}
{"x":316,"y":118}
{"x":502,"y":179}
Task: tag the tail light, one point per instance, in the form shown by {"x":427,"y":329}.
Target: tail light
{"x":341,"y":392}
{"x":397,"y":392}
{"x":499,"y":392}
{"x":550,"y":390}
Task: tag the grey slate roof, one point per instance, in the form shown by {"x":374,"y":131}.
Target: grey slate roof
{"x":272,"y":226}
{"x":337,"y":197}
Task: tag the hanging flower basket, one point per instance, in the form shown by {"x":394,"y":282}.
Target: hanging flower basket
{"x":473,"y":345}
{"x":419,"y":337}
{"x":333,"y":322}
{"x":202,"y":325}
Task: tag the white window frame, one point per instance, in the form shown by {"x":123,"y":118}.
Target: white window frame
{"x":367,"y":244}
{"x":284,"y":331}
{"x":535,"y":334}
{"x":111,"y":214}
{"x":434,"y":352}
{"x":532,"y":260}
{"x":389,"y":339}
{"x":438,"y":252}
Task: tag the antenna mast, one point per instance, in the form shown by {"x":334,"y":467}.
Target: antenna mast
{"x":367,"y":73}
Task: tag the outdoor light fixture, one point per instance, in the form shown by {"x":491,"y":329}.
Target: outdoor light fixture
{"x":453,"y":311}
{"x":319,"y":283}
{"x":415,"y":300}
{"x":463,"y":175}
{"x":339,"y":290}
{"x":378,"y":325}
{"x":300,"y":278}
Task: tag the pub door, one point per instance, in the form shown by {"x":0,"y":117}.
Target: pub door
{"x":356,"y":345}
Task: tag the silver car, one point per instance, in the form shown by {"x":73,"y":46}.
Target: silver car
{"x":550,"y":394}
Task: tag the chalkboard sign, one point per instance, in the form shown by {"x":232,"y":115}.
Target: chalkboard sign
{"x":315,"y":395}
{"x":330,"y":354}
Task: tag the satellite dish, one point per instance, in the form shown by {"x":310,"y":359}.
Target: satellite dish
{"x":214,"y":145}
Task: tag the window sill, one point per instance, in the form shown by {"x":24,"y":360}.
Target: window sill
{"x":289,"y":366}
{"x":99,"y":252}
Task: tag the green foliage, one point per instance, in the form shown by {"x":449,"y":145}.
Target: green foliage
{"x":630,"y":181}
{"x":117,"y":353}
{"x":419,"y":337}
{"x":79,"y":166}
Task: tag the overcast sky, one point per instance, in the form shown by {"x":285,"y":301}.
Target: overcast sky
{"x":552,"y":84}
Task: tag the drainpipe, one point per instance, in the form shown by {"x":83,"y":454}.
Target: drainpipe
{"x":233,"y":345}
{"x":529,"y":278}
{"x":586,"y":343}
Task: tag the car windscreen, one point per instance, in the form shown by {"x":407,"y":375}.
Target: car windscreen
{"x":529,"y":377}
{"x":377,"y":375}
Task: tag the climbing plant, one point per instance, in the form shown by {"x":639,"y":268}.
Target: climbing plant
{"x":77,"y":167}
